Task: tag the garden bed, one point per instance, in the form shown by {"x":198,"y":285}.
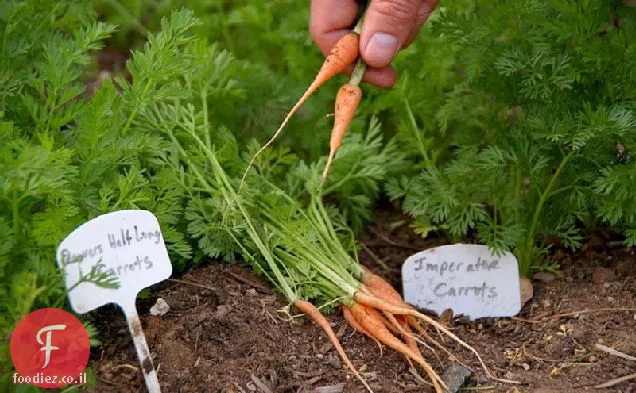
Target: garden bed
{"x":223,"y":332}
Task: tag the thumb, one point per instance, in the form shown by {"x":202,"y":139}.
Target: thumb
{"x":387,"y":25}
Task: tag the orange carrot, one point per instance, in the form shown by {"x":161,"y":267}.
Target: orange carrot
{"x":347,"y":102}
{"x":312,"y":311}
{"x":407,"y":334}
{"x":346,"y":313}
{"x":371,"y":320}
{"x":342,"y":55}
{"x":387,"y":323}
{"x":380,"y":288}
{"x":403,"y":329}
{"x":374,"y":302}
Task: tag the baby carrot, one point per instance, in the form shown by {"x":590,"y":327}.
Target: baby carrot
{"x":343,"y":54}
{"x":347,"y":102}
{"x":380,"y":288}
{"x":346,"y":313}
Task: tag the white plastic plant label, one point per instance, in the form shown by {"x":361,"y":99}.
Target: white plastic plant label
{"x":109,"y":260}
{"x":466,"y":278}
{"x":127,"y":245}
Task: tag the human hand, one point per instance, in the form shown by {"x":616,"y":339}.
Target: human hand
{"x":388,"y":27}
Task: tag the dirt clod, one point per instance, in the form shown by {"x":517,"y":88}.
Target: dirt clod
{"x":603,"y":275}
{"x":544,"y":276}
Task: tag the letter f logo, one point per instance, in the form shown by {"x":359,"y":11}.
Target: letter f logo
{"x":48,"y":347}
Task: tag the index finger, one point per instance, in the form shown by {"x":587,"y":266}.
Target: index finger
{"x":330,"y":20}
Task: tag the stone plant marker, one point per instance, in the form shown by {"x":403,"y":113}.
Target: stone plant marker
{"x":466,"y":278}
{"x":125,"y":248}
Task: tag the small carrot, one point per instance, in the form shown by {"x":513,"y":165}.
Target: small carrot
{"x":407,"y":334}
{"x":312,"y":311}
{"x":403,"y":329}
{"x":371,"y":320}
{"x":374,"y":302}
{"x":346,"y":313}
{"x":380,"y":288}
{"x":342,"y":55}
{"x":347,"y":102}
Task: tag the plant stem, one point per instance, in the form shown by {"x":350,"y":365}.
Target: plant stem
{"x":206,"y":126}
{"x":416,"y":131}
{"x":133,"y":114}
{"x":130,"y":18}
{"x":224,"y":30}
{"x":358,"y":72}
{"x":361,"y":67}
{"x":16,"y":213}
{"x":232,"y":198}
{"x":525,"y":265}
{"x":358,"y":27}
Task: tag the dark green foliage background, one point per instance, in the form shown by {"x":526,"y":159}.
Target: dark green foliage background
{"x":513,"y":122}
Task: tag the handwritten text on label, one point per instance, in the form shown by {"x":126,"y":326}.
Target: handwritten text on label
{"x":465,"y":278}
{"x":126,"y":244}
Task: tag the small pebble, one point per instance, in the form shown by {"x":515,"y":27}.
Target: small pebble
{"x":160,"y":308}
{"x":527,"y":290}
{"x":251,"y":292}
{"x":455,"y":376}
{"x":339,"y":388}
{"x":333,"y":361}
{"x":592,"y":359}
{"x":222,"y":311}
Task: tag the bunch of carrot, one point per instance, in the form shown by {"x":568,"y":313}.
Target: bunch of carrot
{"x":370,"y":305}
{"x":342,"y":55}
{"x":301,"y":254}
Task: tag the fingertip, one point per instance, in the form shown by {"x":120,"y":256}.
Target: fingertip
{"x":380,"y":50}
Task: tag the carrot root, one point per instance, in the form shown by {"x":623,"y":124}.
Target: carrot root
{"x":380,"y":288}
{"x":312,"y":311}
{"x":408,"y":339}
{"x":371,"y":320}
{"x":346,"y":313}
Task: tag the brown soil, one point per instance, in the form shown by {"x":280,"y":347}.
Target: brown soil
{"x":224,"y":331}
